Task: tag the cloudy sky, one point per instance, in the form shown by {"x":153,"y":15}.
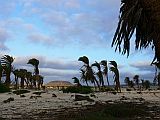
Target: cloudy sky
{"x":58,"y":32}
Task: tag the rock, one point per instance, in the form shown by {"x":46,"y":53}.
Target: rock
{"x":22,"y":96}
{"x":80,"y":98}
{"x":93,"y":95}
{"x":54,"y":95}
{"x":124,"y":98}
{"x":72,"y":96}
{"x":8,"y":100}
{"x":35,"y":97}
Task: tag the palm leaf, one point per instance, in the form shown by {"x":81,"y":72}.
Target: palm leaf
{"x":113,"y":63}
{"x":84,"y":59}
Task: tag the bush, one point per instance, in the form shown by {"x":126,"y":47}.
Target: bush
{"x":128,"y":89}
{"x":4,"y":88}
{"x":75,"y":89}
{"x":18,"y":92}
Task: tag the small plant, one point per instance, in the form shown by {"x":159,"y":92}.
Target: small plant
{"x":19,"y":92}
{"x":4,"y":88}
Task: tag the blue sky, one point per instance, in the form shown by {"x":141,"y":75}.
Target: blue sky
{"x":58,"y":32}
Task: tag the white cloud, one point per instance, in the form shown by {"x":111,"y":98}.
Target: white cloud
{"x":4,"y":36}
{"x":41,"y":38}
{"x":72,"y":4}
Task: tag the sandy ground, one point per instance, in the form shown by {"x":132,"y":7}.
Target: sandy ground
{"x":25,"y":106}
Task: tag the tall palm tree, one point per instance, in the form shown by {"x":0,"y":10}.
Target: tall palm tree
{"x":141,"y":17}
{"x":114,"y":69}
{"x":22,"y":75}
{"x":105,"y":69}
{"x":6,"y":62}
{"x":89,"y":74}
{"x":35,"y":63}
{"x":99,"y":73}
{"x":157,"y":67}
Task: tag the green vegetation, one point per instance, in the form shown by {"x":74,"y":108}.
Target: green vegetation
{"x":19,"y":92}
{"x":4,"y":88}
{"x":75,"y":89}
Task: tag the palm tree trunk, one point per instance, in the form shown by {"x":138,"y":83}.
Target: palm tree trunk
{"x":86,"y":82}
{"x":107,"y":80}
{"x":36,"y":70}
{"x":8,"y":79}
{"x":16,"y":80}
{"x":22,"y":83}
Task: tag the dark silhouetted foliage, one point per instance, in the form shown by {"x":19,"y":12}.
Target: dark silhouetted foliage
{"x":4,"y":88}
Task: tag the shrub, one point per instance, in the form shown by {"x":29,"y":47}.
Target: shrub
{"x":128,"y":89}
{"x":18,"y":92}
{"x":75,"y":89}
{"x":4,"y":88}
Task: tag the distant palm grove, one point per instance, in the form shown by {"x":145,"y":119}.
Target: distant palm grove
{"x":22,"y":77}
{"x":97,"y":73}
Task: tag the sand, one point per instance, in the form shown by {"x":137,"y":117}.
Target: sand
{"x":25,"y":107}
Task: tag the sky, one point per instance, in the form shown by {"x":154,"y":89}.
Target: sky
{"x":58,"y":32}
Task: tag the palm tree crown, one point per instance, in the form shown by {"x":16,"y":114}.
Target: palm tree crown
{"x":35,"y":63}
{"x":142,"y":18}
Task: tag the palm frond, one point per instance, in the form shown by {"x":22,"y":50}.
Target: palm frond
{"x":84,"y":59}
{"x":33,"y":62}
{"x":113,"y":63}
{"x":133,"y":19}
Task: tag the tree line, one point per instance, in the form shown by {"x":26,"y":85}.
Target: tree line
{"x":97,"y":72}
{"x":22,"y":77}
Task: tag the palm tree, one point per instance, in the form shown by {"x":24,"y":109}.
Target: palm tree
{"x":157,"y":67}
{"x":29,"y":79}
{"x":127,"y":81}
{"x":105,"y":69}
{"x":6,"y":62}
{"x":16,"y":74}
{"x":136,"y":79}
{"x":37,"y":81}
{"x":22,"y":75}
{"x":89,"y":74}
{"x":141,"y":17}
{"x":35,"y":63}
{"x":114,"y":69}
{"x":76,"y":80}
{"x":99,"y":73}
